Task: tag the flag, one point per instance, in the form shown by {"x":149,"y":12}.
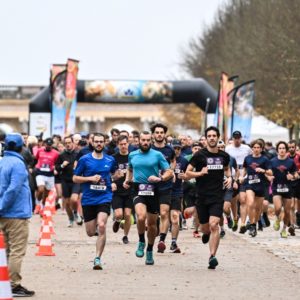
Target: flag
{"x":57,"y":94}
{"x":242,"y":109}
{"x":71,"y":100}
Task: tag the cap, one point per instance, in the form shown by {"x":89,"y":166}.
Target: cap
{"x":14,"y":138}
{"x":221,"y":143}
{"x":176,"y":143}
{"x":237,"y":134}
{"x":196,"y":144}
{"x":48,"y":142}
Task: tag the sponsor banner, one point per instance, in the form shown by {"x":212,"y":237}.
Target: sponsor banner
{"x":71,"y":93}
{"x":243,"y":99}
{"x":40,"y":124}
{"x":129,"y":91}
{"x":58,"y":100}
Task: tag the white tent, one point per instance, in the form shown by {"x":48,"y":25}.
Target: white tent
{"x":268,"y":130}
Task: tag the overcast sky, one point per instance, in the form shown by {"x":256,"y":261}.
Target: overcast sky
{"x":112,"y":39}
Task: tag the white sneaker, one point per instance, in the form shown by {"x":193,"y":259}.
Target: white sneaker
{"x":79,"y":220}
{"x":71,"y":223}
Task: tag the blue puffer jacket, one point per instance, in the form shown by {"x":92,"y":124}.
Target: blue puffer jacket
{"x":15,"y":195}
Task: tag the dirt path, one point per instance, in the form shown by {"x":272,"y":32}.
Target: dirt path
{"x":246,"y":268}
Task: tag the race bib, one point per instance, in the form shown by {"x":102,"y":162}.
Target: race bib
{"x":177,"y":169}
{"x":146,"y":190}
{"x":215,"y":163}
{"x":252,"y":179}
{"x":45,"y":168}
{"x":101,"y":186}
{"x":282,"y":188}
{"x":123,"y":168}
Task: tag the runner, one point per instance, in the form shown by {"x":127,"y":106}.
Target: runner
{"x":65,"y":165}
{"x":143,"y":170}
{"x":211,"y":165}
{"x":122,"y":198}
{"x":256,"y":167}
{"x":284,"y":171}
{"x":46,"y":158}
{"x":230,"y":193}
{"x":239,"y":151}
{"x":164,"y":188}
{"x":93,"y":171}
{"x":177,"y":194}
{"x":295,"y":219}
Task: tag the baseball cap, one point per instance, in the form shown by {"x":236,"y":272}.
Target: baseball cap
{"x":176,"y":143}
{"x":14,"y":138}
{"x":48,"y":142}
{"x":221,"y":143}
{"x":237,"y":134}
{"x":196,"y":144}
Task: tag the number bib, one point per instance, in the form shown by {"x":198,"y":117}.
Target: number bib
{"x":123,"y":167}
{"x":146,"y":190}
{"x":177,"y":168}
{"x":101,"y":186}
{"x":282,"y":188}
{"x":252,"y":179}
{"x":45,"y":168}
{"x":215,"y":163}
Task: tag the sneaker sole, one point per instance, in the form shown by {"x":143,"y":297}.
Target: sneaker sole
{"x":213,"y":264}
{"x":161,"y":248}
{"x":149,"y":263}
{"x":139,"y":256}
{"x":176,"y":251}
{"x":97,"y":267}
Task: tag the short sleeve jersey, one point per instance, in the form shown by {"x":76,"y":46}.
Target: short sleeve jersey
{"x":239,"y":153}
{"x":256,"y":180}
{"x":211,"y":184}
{"x":122,"y":163}
{"x":181,"y":165}
{"x":96,"y":193}
{"x":145,"y":164}
{"x":46,"y":161}
{"x":280,"y":168}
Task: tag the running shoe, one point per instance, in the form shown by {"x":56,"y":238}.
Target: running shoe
{"x":140,"y":250}
{"x":260,"y":225}
{"x":205,"y":238}
{"x":212,"y":262}
{"x":222,"y":233}
{"x":79,"y":220}
{"x":116,"y":226}
{"x":292,"y":230}
{"x":248,"y":225}
{"x":149,"y":258}
{"x":283,"y":234}
{"x":229,"y":222}
{"x":234,"y":225}
{"x":276,"y":225}
{"x":266,"y":219}
{"x":243,"y":229}
{"x":71,"y":223}
{"x":174,"y":248}
{"x":161,"y":247}
{"x":252,"y":231}
{"x":125,"y":239}
{"x":97,"y":264}
{"x":196,"y":234}
{"x":21,"y":291}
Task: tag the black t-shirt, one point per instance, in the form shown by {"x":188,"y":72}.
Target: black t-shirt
{"x":211,"y":184}
{"x":122,"y":162}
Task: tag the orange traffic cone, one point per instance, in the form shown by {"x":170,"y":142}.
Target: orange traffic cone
{"x":45,"y":245}
{"x":5,"y":288}
{"x":46,"y":227}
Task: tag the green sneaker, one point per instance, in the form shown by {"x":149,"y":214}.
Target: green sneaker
{"x":140,"y":250}
{"x":283,"y":234}
{"x":149,"y":258}
{"x":97,"y":264}
{"x":276,"y":225}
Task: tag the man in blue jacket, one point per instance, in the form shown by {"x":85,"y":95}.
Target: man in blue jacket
{"x":15,"y":209}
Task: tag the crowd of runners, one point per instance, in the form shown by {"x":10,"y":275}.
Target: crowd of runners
{"x":157,"y":181}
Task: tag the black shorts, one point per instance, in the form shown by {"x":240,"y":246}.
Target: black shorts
{"x":242,"y":187}
{"x":77,"y":188}
{"x":57,"y":179}
{"x":206,"y":210}
{"x":258,"y":193}
{"x":295,"y":190}
{"x":283,"y":195}
{"x":165,"y":196}
{"x":67,"y":188}
{"x":189,"y":195}
{"x":176,"y":202}
{"x":90,"y":212}
{"x":122,"y":201}
{"x":228,"y":195}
